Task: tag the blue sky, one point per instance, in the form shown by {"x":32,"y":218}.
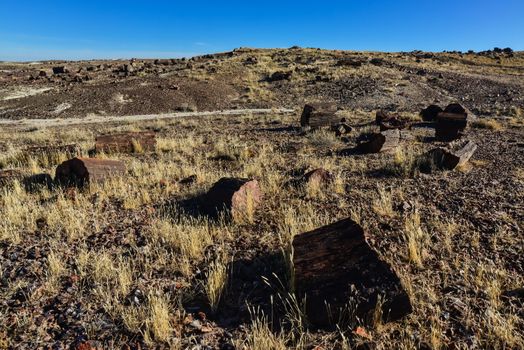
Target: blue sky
{"x":36,"y":30}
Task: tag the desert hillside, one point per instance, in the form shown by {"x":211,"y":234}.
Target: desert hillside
{"x":488,"y":83}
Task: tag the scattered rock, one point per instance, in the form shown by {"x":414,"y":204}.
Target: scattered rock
{"x":280,"y":75}
{"x":377,"y":61}
{"x":60,"y":70}
{"x":341,"y":129}
{"x":390,"y":121}
{"x":349,"y":62}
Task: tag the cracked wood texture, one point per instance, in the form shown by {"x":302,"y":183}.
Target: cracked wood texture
{"x":317,"y":115}
{"x":334,"y":268}
{"x":456,"y":155}
{"x":381,"y":142}
{"x":82,"y":171}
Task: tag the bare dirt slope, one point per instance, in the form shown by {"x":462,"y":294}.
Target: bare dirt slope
{"x":489,"y":83}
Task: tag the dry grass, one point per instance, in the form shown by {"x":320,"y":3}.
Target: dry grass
{"x":261,"y":337}
{"x":405,"y":163}
{"x":216,"y":282}
{"x":383,"y":204}
{"x":490,"y":124}
{"x":158,"y":322}
{"x":124,"y":235}
{"x":416,"y":239}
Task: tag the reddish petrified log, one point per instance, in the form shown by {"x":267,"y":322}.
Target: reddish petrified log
{"x":316,"y":115}
{"x":236,"y":196}
{"x":129,"y":142}
{"x":336,"y":270}
{"x":381,"y":142}
{"x":317,"y":177}
{"x":82,"y":171}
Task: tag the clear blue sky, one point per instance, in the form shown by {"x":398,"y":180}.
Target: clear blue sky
{"x":75,"y":29}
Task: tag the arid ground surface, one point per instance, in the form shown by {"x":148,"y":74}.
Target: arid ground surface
{"x":125,"y":265}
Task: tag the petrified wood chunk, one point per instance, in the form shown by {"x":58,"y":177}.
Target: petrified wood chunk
{"x":236,"y":196}
{"x":82,"y":171}
{"x":451,"y":123}
{"x":430,"y":113}
{"x":341,"y":129}
{"x":316,"y":177}
{"x":390,"y":121}
{"x":455,"y":155}
{"x":381,"y":142}
{"x":59,"y":70}
{"x":128,"y":142}
{"x":334,"y":267}
{"x":316,"y":115}
{"x":349,"y":62}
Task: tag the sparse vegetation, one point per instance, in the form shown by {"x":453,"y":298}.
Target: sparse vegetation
{"x":133,"y":261}
{"x":490,"y":124}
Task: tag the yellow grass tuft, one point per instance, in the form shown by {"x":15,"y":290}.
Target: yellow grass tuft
{"x":490,"y":124}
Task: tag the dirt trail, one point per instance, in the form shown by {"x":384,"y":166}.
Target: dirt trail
{"x":133,"y":118}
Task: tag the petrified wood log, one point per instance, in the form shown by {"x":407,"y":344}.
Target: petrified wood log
{"x":316,"y":177}
{"x":349,"y":62}
{"x":335,"y":269}
{"x":59,"y":70}
{"x":128,"y":142}
{"x":390,"y":121}
{"x":451,"y":123}
{"x":381,"y":142}
{"x":341,"y":129}
{"x":455,"y":155}
{"x":455,"y":108}
{"x":237,"y":196}
{"x":317,"y":115}
{"x":430,"y":113}
{"x":82,"y":171}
